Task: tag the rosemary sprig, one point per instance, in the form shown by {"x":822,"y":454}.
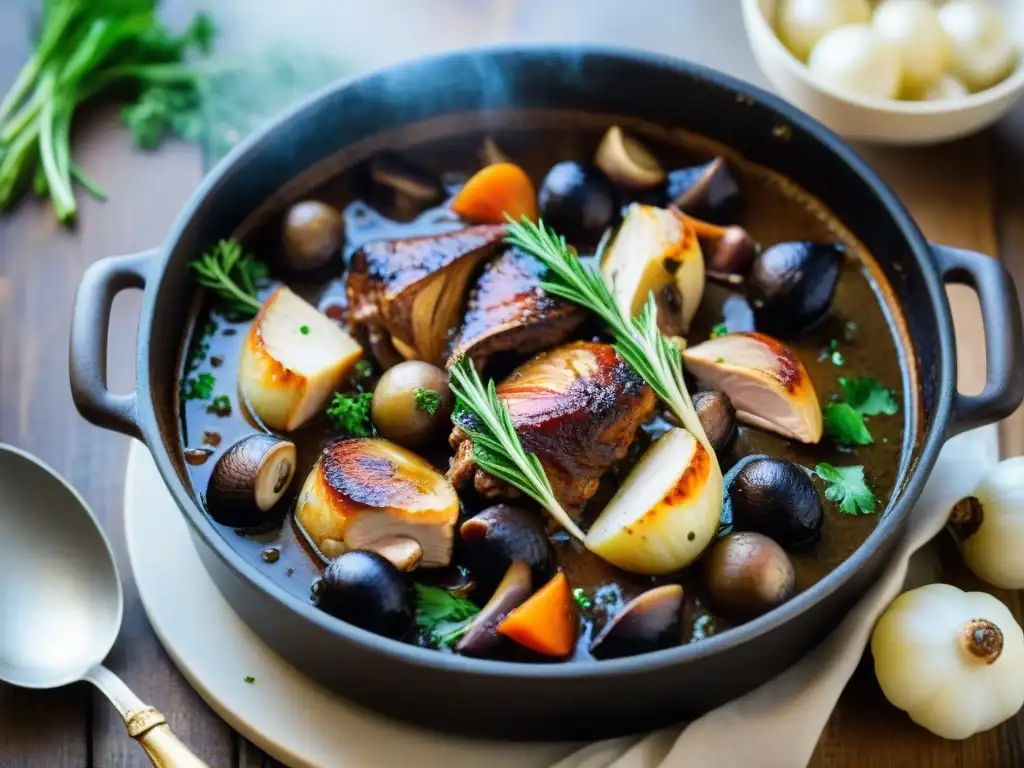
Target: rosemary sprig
{"x":637,"y":339}
{"x":496,"y":446}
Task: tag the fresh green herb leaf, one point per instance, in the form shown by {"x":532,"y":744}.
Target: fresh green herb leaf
{"x":837,"y":359}
{"x":220,"y":405}
{"x":199,"y":387}
{"x":833,"y":345}
{"x":845,"y":425}
{"x":719,"y":360}
{"x":637,"y":339}
{"x":719,"y":329}
{"x":233,"y":275}
{"x":304,"y":330}
{"x":249,"y":679}
{"x":428,"y":400}
{"x":350,"y":413}
{"x":868,"y":397}
{"x":496,"y":446}
{"x":580,"y":596}
{"x":363,"y":369}
{"x":847,"y":487}
{"x":441,"y":616}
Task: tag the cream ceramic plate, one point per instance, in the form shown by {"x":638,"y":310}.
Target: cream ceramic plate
{"x":282,"y":712}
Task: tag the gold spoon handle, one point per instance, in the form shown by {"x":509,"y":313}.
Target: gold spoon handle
{"x":165,"y":750}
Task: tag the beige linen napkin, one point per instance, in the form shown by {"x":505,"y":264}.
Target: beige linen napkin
{"x":778,"y":724}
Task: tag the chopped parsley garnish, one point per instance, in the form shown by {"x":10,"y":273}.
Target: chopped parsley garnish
{"x":719,"y":329}
{"x":249,"y":679}
{"x":304,"y":330}
{"x":441,"y":616}
{"x":233,"y":275}
{"x":847,"y":487}
{"x":428,"y":400}
{"x":350,"y":413}
{"x":202,"y":347}
{"x":844,"y":420}
{"x":220,"y":405}
{"x":580,"y":596}
{"x":837,"y":359}
{"x":199,"y":387}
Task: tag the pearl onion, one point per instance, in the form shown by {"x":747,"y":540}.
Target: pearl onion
{"x":945,"y":88}
{"x":802,"y":23}
{"x":852,"y":58}
{"x":912,"y":28}
{"x":981,"y":51}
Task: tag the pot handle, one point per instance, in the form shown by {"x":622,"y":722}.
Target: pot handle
{"x":1004,"y":337}
{"x":102,"y":281}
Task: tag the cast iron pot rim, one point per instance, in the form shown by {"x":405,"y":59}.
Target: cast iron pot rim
{"x":887,"y":527}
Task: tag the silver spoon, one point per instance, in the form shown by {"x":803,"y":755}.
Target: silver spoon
{"x":61,"y":602}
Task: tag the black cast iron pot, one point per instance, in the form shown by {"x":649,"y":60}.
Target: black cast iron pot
{"x":548,"y":700}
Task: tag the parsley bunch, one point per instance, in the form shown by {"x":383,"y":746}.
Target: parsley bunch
{"x":88,"y":48}
{"x":844,"y":419}
{"x":350,"y":413}
{"x":441,"y":616}
{"x":847,"y":487}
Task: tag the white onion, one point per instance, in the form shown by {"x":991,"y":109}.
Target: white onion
{"x":945,"y":88}
{"x":912,"y":28}
{"x":802,"y":23}
{"x":981,"y":51}
{"x":854,"y":59}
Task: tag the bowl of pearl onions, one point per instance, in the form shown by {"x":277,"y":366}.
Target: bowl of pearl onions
{"x":893,"y":71}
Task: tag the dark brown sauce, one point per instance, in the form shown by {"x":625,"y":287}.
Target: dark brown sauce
{"x":774,"y":212}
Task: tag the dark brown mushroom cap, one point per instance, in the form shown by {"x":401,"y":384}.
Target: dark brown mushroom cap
{"x":249,"y":479}
{"x":366,"y":590}
{"x":717,"y":417}
{"x":648,"y":622}
{"x":708,"y":191}
{"x":747,"y":574}
{"x":482,"y":634}
{"x":500,"y":535}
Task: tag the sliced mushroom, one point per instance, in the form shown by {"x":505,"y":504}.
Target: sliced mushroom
{"x":732,"y":248}
{"x":791,"y":286}
{"x":249,"y":479}
{"x":766,"y":383}
{"x":312,"y":235}
{"x":627,"y":162}
{"x":391,"y":182}
{"x":708,"y":191}
{"x":366,"y":590}
{"x":293,"y":358}
{"x":501,"y":535}
{"x":508,"y":310}
{"x":717,"y":417}
{"x":647,"y":623}
{"x":413,"y":288}
{"x":375,"y":495}
{"x":513,"y":589}
{"x":655,"y":248}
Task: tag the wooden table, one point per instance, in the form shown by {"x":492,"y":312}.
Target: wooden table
{"x":969,"y":194}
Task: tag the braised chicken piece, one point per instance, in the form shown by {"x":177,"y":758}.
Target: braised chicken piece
{"x":405,"y":295}
{"x":508,"y":310}
{"x":577,"y":407}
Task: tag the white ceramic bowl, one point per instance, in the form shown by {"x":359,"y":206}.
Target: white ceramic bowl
{"x":881,"y":120}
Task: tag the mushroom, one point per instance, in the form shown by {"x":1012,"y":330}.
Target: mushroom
{"x":791,"y":286}
{"x":411,"y":403}
{"x":482,"y":633}
{"x":390,"y":181}
{"x":413,"y":288}
{"x":374,"y":495}
{"x":501,"y":535}
{"x":747,"y":574}
{"x":577,"y":201}
{"x":717,"y":417}
{"x":312,"y":235}
{"x":647,"y":623}
{"x":766,"y":383}
{"x":777,"y":498}
{"x":732,"y":249}
{"x":292,"y":360}
{"x":249,"y":479}
{"x":627,"y":162}
{"x":655,"y":248}
{"x":367,"y":591}
{"x":707,"y":191}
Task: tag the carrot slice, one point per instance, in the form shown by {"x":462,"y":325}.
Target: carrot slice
{"x":546,"y":622}
{"x":494,"y":191}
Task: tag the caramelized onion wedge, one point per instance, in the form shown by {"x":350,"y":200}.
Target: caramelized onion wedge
{"x":293,"y":358}
{"x":655,"y":248}
{"x":375,"y":495}
{"x":627,"y":162}
{"x":665,"y":513}
{"x":767,"y":384}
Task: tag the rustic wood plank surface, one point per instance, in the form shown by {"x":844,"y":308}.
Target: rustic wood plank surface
{"x":970,"y":194}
